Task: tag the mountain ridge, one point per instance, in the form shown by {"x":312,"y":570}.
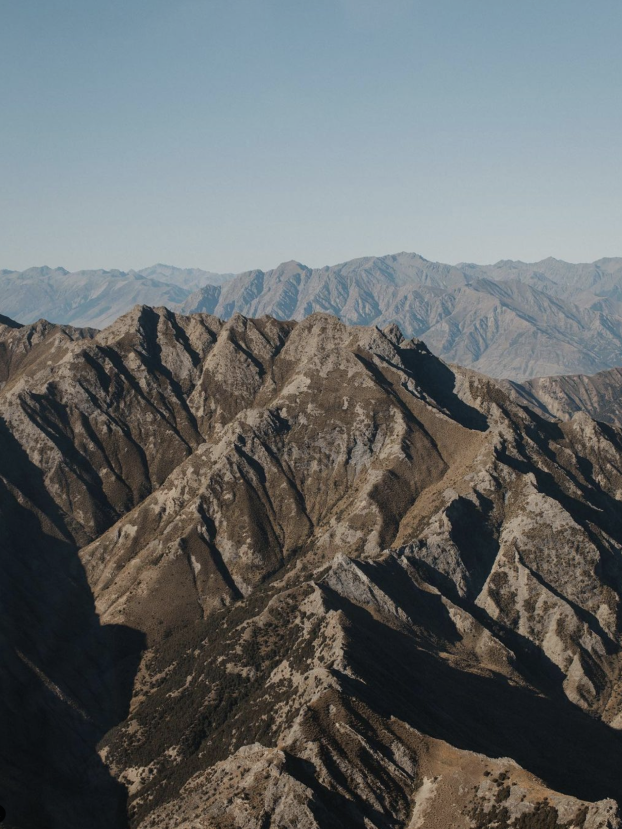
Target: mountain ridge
{"x":511,"y":319}
{"x":303,"y":573}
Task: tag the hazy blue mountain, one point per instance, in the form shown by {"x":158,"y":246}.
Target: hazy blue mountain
{"x":188,"y":278}
{"x":94,"y":297}
{"x":562,"y":397}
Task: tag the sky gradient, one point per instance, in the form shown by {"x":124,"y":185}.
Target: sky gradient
{"x":232,"y":134}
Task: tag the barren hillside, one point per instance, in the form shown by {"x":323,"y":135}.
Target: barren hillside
{"x":299,"y":574}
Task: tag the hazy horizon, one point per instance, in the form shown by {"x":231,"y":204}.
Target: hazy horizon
{"x":207,"y":269}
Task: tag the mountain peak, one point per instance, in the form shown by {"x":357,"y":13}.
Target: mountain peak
{"x":291,"y":266}
{"x":44,"y":270}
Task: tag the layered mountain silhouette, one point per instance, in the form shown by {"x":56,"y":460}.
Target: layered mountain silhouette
{"x":261,"y":573}
{"x":510,"y":320}
{"x":97,"y":297}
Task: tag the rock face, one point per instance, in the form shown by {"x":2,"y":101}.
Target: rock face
{"x":262,"y":573}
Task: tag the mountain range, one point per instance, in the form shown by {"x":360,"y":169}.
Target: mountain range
{"x":510,"y":320}
{"x":96,"y":297}
{"x":262,"y":573}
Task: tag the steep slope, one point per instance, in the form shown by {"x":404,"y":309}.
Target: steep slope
{"x":510,"y":329}
{"x":555,"y":277}
{"x":106,"y":418}
{"x":346,"y":585}
{"x":26,"y":349}
{"x":89,"y":425}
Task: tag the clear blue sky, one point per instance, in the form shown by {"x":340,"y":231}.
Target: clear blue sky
{"x":230,"y":134}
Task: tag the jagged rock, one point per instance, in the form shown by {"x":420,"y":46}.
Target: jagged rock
{"x":300,"y":574}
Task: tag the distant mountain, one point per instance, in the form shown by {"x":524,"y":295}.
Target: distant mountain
{"x":511,"y":319}
{"x":97,"y":297}
{"x":554,"y":276}
{"x":506,"y":320}
{"x":511,"y":329}
{"x":187,"y":278}
{"x":362,"y":291}
{"x":564,"y":396}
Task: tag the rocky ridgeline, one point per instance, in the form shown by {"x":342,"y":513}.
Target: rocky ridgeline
{"x":262,"y":573}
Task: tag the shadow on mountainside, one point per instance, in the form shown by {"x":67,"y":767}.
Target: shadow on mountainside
{"x":66,"y":679}
{"x":570,"y":751}
{"x":438,"y":381}
{"x":331,"y":809}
